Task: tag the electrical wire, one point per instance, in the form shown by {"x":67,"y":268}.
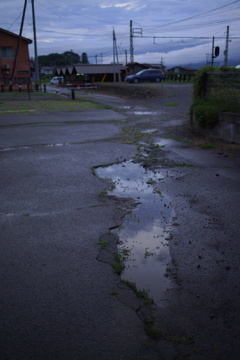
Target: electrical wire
{"x":194,"y":16}
{"x":15,"y":20}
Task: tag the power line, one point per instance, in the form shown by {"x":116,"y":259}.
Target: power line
{"x":73,"y":34}
{"x":73,"y":13}
{"x":195,"y":16}
{"x":185,"y":37}
{"x":15,"y":20}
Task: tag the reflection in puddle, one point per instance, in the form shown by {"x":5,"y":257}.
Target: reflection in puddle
{"x":145,"y":230}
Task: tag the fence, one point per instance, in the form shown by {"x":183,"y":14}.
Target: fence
{"x":20,"y":88}
{"x":223,"y":86}
{"x":179,"y":77}
{"x":28,"y":90}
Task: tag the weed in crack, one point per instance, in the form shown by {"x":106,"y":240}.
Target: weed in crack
{"x":103,"y":244}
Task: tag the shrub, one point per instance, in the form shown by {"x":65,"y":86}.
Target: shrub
{"x":206,"y":110}
{"x":206,"y":114}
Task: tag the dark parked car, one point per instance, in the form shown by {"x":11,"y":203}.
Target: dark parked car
{"x":146,"y":75}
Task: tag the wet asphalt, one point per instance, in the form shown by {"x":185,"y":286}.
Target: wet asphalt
{"x":60,"y":298}
{"x":57,"y":299}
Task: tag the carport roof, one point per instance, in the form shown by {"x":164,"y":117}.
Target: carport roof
{"x":90,"y":69}
{"x":97,"y":69}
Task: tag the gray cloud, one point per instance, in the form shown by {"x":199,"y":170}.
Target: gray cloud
{"x":87,"y":27}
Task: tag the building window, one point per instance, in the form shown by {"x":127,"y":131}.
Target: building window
{"x":22,"y":72}
{"x":6,"y":53}
{"x":22,"y":81}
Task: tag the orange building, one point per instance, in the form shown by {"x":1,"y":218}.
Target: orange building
{"x":8,"y":49}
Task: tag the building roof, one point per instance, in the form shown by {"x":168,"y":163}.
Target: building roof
{"x":15,"y":35}
{"x":97,"y":69}
{"x":89,"y":69}
{"x":146,"y":65}
{"x":189,"y":68}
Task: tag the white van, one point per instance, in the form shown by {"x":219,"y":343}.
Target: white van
{"x":56,"y":80}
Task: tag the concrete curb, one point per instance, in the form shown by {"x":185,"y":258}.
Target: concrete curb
{"x":227,"y":129}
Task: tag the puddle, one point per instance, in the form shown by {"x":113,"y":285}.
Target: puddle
{"x":126,"y":107}
{"x":15,"y":148}
{"x":33,"y":146}
{"x":179,"y":143}
{"x":149,"y":131}
{"x":145,"y":230}
{"x":64,"y":144}
{"x":164,"y":142}
{"x":145,"y":113}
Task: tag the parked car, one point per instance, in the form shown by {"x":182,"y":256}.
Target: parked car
{"x":146,"y":75}
{"x":56,"y":80}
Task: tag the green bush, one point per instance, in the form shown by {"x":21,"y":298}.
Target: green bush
{"x":206,"y":114}
{"x":207,"y":111}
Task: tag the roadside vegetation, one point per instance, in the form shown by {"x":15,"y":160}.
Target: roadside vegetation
{"x":41,"y":102}
{"x":215,"y":90}
{"x":139,"y":91}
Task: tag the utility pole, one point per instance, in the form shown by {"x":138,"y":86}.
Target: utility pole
{"x":126,"y":56}
{"x":19,"y":42}
{"x":35,"y":47}
{"x":131,"y":43}
{"x":226,"y":49}
{"x":132,"y":32}
{"x":212,"y":62}
{"x":115,"y":56}
{"x":215,"y":52}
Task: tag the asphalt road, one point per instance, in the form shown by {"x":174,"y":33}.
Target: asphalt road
{"x":56,"y":297}
{"x":59,"y":298}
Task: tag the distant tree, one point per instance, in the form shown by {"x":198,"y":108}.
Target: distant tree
{"x":84,"y":58}
{"x":55,"y":59}
{"x":71,"y":58}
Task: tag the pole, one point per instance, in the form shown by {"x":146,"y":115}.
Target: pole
{"x":212,"y":62}
{"x":19,"y":42}
{"x":131,"y":43}
{"x":126,"y":56}
{"x":118,"y":66}
{"x":226,"y":49}
{"x":114,"y":59}
{"x":115,"y":53}
{"x":35,"y":47}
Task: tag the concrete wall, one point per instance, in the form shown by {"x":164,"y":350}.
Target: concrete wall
{"x":227,"y":129}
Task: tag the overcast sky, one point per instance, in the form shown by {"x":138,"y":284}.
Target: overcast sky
{"x":175,"y":32}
